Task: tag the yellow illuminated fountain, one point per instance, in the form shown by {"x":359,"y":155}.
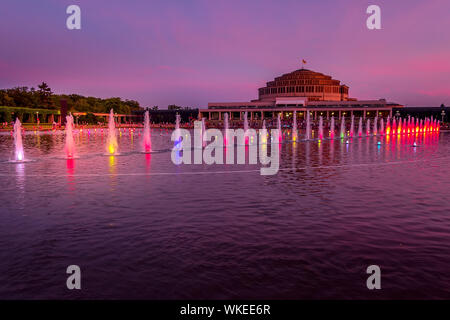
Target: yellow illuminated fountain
{"x":112,"y":146}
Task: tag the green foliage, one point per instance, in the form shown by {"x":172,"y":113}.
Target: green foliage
{"x":90,"y":118}
{"x":43,"y":98}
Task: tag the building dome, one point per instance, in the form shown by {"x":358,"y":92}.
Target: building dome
{"x":304,"y":83}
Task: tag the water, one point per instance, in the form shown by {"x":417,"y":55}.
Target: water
{"x":147,"y":141}
{"x":375,"y":126}
{"x":225,"y":128}
{"x":342,"y":127}
{"x":308,"y":126}
{"x":203,"y":133}
{"x":140,"y":227}
{"x":360,"y":127}
{"x":18,"y":145}
{"x":294,"y":127}
{"x":70,"y":145}
{"x":320,"y":128}
{"x":332,"y":128}
{"x":279,"y":127}
{"x":111,"y":144}
{"x":352,"y":127}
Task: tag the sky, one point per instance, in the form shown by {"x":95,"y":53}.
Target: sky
{"x":193,"y":52}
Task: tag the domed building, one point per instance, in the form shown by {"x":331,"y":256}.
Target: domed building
{"x":305,"y":83}
{"x":301,"y":90}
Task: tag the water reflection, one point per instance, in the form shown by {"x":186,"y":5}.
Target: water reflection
{"x":148,"y":158}
{"x":112,"y":172}
{"x":70,"y":170}
{"x":20,"y":185}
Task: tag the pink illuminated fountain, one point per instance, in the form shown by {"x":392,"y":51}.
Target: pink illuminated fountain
{"x":332,"y":128}
{"x":368,"y":127}
{"x":320,"y":128}
{"x":279,"y":127}
{"x":147,"y":137}
{"x":360,"y":127}
{"x":19,"y":155}
{"x":352,"y":127}
{"x":225,"y":128}
{"x":70,"y":145}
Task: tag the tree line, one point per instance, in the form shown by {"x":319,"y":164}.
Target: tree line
{"x":42,"y":97}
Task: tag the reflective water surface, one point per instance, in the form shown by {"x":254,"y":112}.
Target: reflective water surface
{"x":140,"y":227}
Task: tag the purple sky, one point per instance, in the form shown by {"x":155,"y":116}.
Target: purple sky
{"x":193,"y":52}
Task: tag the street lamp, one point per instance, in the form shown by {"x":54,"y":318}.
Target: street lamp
{"x":37,"y":117}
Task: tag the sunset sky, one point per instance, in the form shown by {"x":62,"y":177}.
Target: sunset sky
{"x":193,"y":52}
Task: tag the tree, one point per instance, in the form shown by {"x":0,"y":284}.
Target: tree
{"x":45,"y":93}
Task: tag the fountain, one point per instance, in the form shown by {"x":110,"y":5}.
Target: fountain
{"x":342,"y":127}
{"x":352,"y":127}
{"x":388,"y":126}
{"x":19,"y":155}
{"x":320,"y":128}
{"x":246,"y":127}
{"x":375,"y":126}
{"x":263,"y":132}
{"x":294,"y":127}
{"x":70,"y":146}
{"x":147,"y":136}
{"x":368,"y":127}
{"x":409,"y":125}
{"x":382,"y":126}
{"x":279,"y":127}
{"x":112,"y":138}
{"x":225,"y":128}
{"x":399,"y":126}
{"x":332,"y":128}
{"x":360,"y":127}
{"x":203,"y":133}
{"x":308,"y":126}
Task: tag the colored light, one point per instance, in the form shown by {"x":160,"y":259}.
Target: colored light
{"x":111,"y":149}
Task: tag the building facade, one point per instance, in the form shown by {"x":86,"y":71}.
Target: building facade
{"x":301,"y":91}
